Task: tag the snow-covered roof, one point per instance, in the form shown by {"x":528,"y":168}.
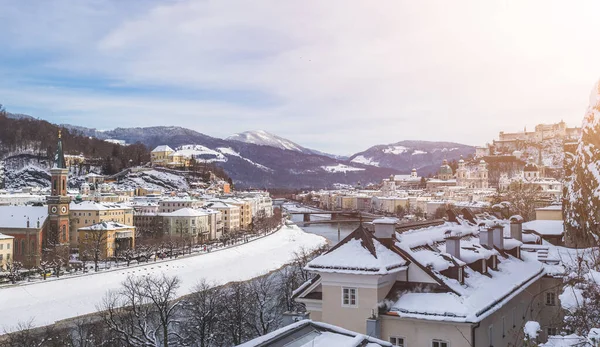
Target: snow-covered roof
{"x":307,"y":333}
{"x":358,"y":253}
{"x":105,"y":226}
{"x":550,"y":208}
{"x":545,"y":227}
{"x":163,"y":148}
{"x":5,"y":237}
{"x":480,"y":294}
{"x":185,"y":212}
{"x":565,"y":341}
{"x":16,"y":217}
{"x":96,"y":206}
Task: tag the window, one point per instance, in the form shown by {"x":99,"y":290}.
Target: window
{"x":8,"y":246}
{"x":397,"y":341}
{"x":8,"y":257}
{"x":550,"y":299}
{"x":439,"y":343}
{"x":551,"y":331}
{"x":349,"y":296}
{"x":1,"y":246}
{"x":514,"y":314}
{"x":0,"y":257}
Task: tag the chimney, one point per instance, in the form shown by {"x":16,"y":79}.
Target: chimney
{"x":498,"y":237}
{"x":453,"y":246}
{"x":385,"y":227}
{"x":516,"y":227}
{"x":27,"y":223}
{"x":486,"y":236}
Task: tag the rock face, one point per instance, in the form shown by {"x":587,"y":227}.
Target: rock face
{"x":582,"y":186}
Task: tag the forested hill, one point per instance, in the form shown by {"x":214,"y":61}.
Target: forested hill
{"x":37,"y":137}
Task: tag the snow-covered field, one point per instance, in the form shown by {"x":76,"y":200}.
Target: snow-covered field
{"x":341,"y":168}
{"x":51,"y":301}
{"x":361,"y":159}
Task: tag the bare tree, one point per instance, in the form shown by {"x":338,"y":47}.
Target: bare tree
{"x":94,"y":245}
{"x":202,"y":309}
{"x":235,"y":314}
{"x":26,"y":335}
{"x":264,"y":312}
{"x":144,"y":312}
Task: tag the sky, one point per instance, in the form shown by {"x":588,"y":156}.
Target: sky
{"x":338,"y":75}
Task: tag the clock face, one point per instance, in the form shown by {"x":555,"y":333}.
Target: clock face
{"x":63,"y":209}
{"x":54,"y":209}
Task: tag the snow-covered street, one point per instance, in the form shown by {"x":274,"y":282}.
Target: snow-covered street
{"x":51,"y":301}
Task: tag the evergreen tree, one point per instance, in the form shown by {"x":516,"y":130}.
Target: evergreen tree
{"x":582,"y":187}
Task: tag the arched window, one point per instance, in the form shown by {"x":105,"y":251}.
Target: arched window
{"x":64,"y":233}
{"x":22,"y":247}
{"x":32,"y":249}
{"x":16,"y":247}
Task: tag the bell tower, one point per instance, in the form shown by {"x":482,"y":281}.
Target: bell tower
{"x":58,"y":201}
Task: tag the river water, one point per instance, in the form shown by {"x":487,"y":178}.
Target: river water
{"x":329,"y":231}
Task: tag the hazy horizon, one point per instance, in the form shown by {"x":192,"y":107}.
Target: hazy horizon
{"x":337,"y":76}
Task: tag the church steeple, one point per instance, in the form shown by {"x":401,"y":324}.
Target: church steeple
{"x":59,"y":157}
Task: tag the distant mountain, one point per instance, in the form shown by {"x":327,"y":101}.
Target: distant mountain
{"x":425,"y":156}
{"x":251,"y":165}
{"x":264,"y":138}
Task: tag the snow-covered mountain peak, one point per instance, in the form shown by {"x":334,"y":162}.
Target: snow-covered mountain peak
{"x":264,"y":138}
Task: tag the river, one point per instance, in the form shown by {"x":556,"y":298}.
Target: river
{"x":329,"y":231}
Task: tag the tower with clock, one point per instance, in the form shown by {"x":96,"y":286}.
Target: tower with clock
{"x":58,"y":201}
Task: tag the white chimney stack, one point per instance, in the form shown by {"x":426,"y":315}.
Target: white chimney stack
{"x":516,"y":227}
{"x":385,"y":227}
{"x":486,"y":236}
{"x":453,"y":246}
{"x":498,"y":231}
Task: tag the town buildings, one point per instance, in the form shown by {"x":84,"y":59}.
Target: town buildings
{"x":28,"y":225}
{"x":187,"y":223}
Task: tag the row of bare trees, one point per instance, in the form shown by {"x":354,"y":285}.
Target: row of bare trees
{"x":149,"y":311}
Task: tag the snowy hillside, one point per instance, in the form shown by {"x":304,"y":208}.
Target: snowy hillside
{"x":153,"y":180}
{"x":263,"y":138}
{"x":424,"y":156}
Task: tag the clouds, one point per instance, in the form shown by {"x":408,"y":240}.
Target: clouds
{"x":336,"y":75}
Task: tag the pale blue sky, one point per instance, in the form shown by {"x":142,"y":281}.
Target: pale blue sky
{"x":338,"y":76}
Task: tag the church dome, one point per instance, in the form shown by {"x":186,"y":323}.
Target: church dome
{"x":445,"y":170}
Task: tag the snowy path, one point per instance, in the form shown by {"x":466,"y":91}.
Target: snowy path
{"x":47,"y":302}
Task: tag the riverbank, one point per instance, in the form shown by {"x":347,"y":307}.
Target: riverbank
{"x":51,"y":301}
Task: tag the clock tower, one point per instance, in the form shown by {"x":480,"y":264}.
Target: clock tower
{"x":58,"y":201}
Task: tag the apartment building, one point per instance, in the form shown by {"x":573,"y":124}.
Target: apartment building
{"x":187,"y":223}
{"x":230,"y":215}
{"x":464,"y":282}
{"x":86,"y":213}
{"x":112,"y":238}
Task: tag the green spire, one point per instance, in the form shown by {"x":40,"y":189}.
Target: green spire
{"x":59,"y":157}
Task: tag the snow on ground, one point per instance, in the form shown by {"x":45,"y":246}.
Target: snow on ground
{"x":417,"y":152}
{"x":200,"y":153}
{"x":361,"y":159}
{"x":532,"y":329}
{"x":50,"y":301}
{"x":341,"y":168}
{"x":153,"y":179}
{"x":395,"y":150}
